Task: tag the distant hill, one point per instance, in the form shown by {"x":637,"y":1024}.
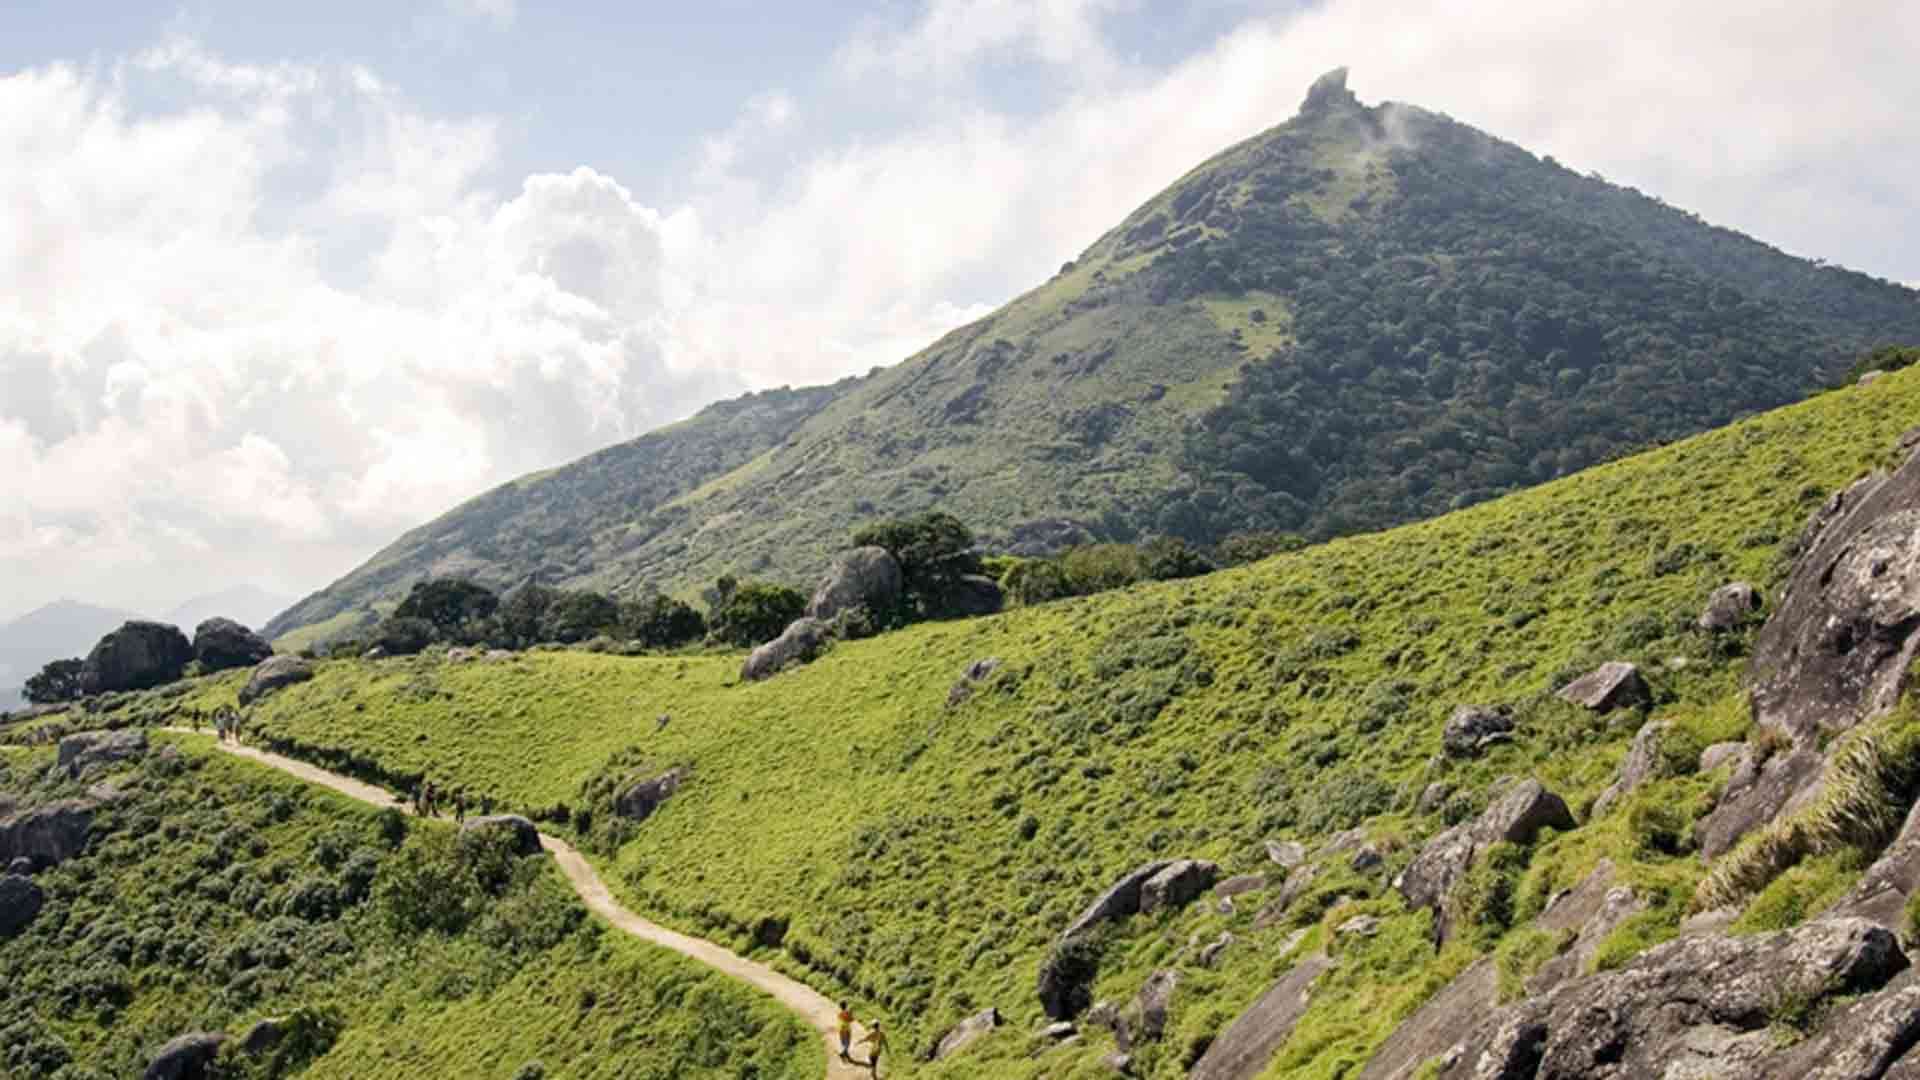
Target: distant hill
{"x":1364,"y":316}
{"x":61,"y":629}
{"x":249,"y":605}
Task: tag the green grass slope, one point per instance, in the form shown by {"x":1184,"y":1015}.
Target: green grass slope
{"x":1364,"y":316}
{"x":219,"y":892}
{"x":925,"y":856}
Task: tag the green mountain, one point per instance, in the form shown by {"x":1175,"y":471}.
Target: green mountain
{"x":1364,"y":316}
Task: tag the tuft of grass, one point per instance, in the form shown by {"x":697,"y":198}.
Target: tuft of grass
{"x":1522,"y":953}
{"x":1802,"y":892}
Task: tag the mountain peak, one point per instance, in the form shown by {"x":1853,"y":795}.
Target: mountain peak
{"x":1328,"y":92}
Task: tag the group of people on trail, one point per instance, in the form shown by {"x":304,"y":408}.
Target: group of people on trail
{"x":227,"y":724}
{"x":875,"y":1042}
{"x":428,"y":801}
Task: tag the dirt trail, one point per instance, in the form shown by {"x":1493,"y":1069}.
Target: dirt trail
{"x":813,"y":1007}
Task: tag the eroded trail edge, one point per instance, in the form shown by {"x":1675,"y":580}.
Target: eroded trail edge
{"x":813,"y":1008}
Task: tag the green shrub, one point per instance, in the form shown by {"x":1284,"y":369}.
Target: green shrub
{"x":757,"y":612}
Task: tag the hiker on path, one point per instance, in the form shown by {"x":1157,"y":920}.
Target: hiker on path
{"x":876,"y":1041}
{"x":486,"y":804}
{"x":846,"y":1030}
{"x":429,"y":798}
{"x":460,"y":807}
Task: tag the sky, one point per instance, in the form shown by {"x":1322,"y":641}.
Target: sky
{"x":281,"y":281}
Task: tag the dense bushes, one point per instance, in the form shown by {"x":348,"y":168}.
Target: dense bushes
{"x":463,"y":613}
{"x":935,"y":551}
{"x":1093,"y":568}
{"x":756,"y":611}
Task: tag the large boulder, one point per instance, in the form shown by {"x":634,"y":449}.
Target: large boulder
{"x":1121,"y":899}
{"x":1516,"y":817}
{"x":186,"y":1057}
{"x":1177,"y":884}
{"x":280,"y":671}
{"x":20,"y":902}
{"x":1729,"y":606}
{"x":799,"y":643}
{"x":1701,"y":1005}
{"x":1615,"y":684}
{"x":1147,"y":1015}
{"x":49,"y":834}
{"x":642,"y":797}
{"x":220,"y":644}
{"x":526,"y":838}
{"x":966,"y":1033}
{"x":82,"y":750}
{"x":866,"y":577}
{"x":138,"y":655}
{"x":1242,"y":1051}
{"x":1473,"y":728}
{"x":975,"y":594}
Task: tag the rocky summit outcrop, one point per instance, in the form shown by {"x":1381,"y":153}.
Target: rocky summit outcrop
{"x":186,"y":1057}
{"x":220,"y":644}
{"x":274,"y":674}
{"x":1473,"y":728}
{"x":643,"y":796}
{"x":965,"y":1034}
{"x":865,"y":577}
{"x":138,"y":655}
{"x":1701,"y":1005}
{"x":526,"y":838}
{"x":799,"y":643}
{"x":87,"y":749}
{"x":1615,"y":684}
{"x":1516,"y":817}
{"x":49,"y":834}
{"x":20,"y":902}
{"x":1729,"y":606}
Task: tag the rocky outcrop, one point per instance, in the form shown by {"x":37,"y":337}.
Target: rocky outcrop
{"x":966,"y":1033}
{"x":866,"y":577}
{"x":1473,"y":728}
{"x":138,"y":655}
{"x":1700,"y":1005}
{"x":1121,"y":899}
{"x":526,"y":838}
{"x":20,"y":902}
{"x":263,"y":1036}
{"x":274,"y":674}
{"x":1881,"y":893}
{"x":1516,"y":817}
{"x":1177,"y":884}
{"x":643,"y":797}
{"x":220,"y":644}
{"x":1613,"y":685}
{"x":799,"y":643}
{"x":186,"y":1057}
{"x":1238,"y":884}
{"x":1147,"y":1014}
{"x":1755,"y":796}
{"x":1728,"y":607}
{"x":1642,"y":762}
{"x":1287,"y":854}
{"x":1243,"y":1050}
{"x":49,"y":834}
{"x":87,"y":749}
{"x":1870,"y":1039}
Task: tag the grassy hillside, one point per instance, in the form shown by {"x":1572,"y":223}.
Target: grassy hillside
{"x":926,"y":856}
{"x":218,"y":893}
{"x":1365,"y":316}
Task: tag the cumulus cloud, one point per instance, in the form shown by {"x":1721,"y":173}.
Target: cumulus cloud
{"x":202,"y":377}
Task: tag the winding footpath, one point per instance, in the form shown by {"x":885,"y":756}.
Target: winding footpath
{"x":812,"y":1007}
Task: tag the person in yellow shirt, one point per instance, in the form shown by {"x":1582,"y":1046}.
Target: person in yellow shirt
{"x":846,"y":1030}
{"x":875,"y":1041}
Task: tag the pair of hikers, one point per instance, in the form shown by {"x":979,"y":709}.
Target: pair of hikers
{"x":426,"y":801}
{"x":226,"y":724}
{"x":876,"y":1040}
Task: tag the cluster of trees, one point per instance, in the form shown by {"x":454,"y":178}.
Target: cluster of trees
{"x":1091,"y":568}
{"x":58,"y":681}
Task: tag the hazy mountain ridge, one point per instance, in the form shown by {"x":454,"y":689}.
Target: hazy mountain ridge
{"x":1361,"y":317}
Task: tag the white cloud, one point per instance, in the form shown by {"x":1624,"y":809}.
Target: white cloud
{"x":951,"y":36}
{"x":498,"y":13}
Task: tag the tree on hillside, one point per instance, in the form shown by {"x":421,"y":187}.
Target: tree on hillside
{"x":756,"y":612}
{"x":661,"y":622}
{"x":457,"y":609}
{"x":576,"y":615}
{"x":1241,"y":548}
{"x":1169,"y":558}
{"x":934,"y":549}
{"x":1884,"y":358}
{"x":404,"y":635}
{"x":522,"y":614}
{"x":58,"y":681}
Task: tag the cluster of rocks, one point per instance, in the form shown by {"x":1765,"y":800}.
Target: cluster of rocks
{"x":42,"y":836}
{"x":192,"y":1056}
{"x":1516,"y":817}
{"x":1067,"y":974}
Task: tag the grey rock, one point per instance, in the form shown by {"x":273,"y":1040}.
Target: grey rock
{"x":1240,"y":883}
{"x":273,"y":674}
{"x":1289,"y":891}
{"x":967,"y":1032}
{"x":1121,"y":899}
{"x":1722,"y":753}
{"x":138,"y":655}
{"x":1342,"y":842}
{"x":1517,"y":816}
{"x":526,"y":838}
{"x":21,"y":899}
{"x":220,"y":644}
{"x":1615,"y":684}
{"x":1437,"y":1024}
{"x":1210,"y":955}
{"x":263,"y":1036}
{"x":1433,"y":797}
{"x":1862,"y":1041}
{"x":22,"y":866}
{"x":1881,"y":893}
{"x":643,"y":796}
{"x":1060,"y":1030}
{"x":1243,"y":1050}
{"x":1757,"y":796}
{"x":186,"y":1057}
{"x":86,"y":749}
{"x":1358,"y":926}
{"x":1119,"y":1062}
{"x":49,"y":834}
{"x":1177,"y":884}
{"x":976,"y":673}
{"x":1147,"y":1014}
{"x":1868,"y":378}
{"x":1367,"y":857}
{"x":1728,"y":607}
{"x":867,"y":577}
{"x":1643,"y":760}
{"x":1286,"y":854}
{"x":799,"y":643}
{"x":1473,"y":728}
